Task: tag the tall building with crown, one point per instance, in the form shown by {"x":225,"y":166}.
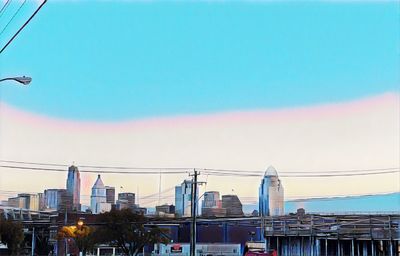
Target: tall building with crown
{"x":98,"y":199}
{"x":271,"y":194}
{"x":74,"y":187}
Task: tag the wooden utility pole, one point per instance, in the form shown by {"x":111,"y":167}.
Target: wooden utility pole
{"x":193,"y":231}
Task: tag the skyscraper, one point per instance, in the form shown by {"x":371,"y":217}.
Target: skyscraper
{"x":183,"y":199}
{"x":110,"y":194}
{"x":128,"y":198}
{"x":74,"y":187}
{"x":271,"y":194}
{"x":212,"y":205}
{"x":98,"y":199}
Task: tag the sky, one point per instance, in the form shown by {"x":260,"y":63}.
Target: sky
{"x":300,"y":85}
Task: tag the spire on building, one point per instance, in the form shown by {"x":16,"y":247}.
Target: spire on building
{"x":271,"y":171}
{"x":99,"y":183}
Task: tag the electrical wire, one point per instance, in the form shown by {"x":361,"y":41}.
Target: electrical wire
{"x":98,"y":166}
{"x":227,"y":174}
{"x":12,"y":18}
{"x":5,"y":7}
{"x":89,"y":171}
{"x":303,"y":172}
{"x":222,"y":172}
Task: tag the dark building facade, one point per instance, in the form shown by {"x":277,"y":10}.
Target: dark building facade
{"x":232,"y":205}
{"x":128,"y":197}
{"x":110,"y":195}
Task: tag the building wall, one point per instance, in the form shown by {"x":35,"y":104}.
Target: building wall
{"x":212,"y":205}
{"x":178,"y":201}
{"x":17,"y":202}
{"x":129,"y":198}
{"x":58,"y":199}
{"x":232,"y":205}
{"x":276,"y":204}
{"x":42,"y":204}
{"x":98,"y":198}
{"x":31,"y":201}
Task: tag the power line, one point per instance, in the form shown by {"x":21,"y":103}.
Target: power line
{"x":227,"y":174}
{"x":215,"y":172}
{"x":302,"y":172}
{"x":221,"y":171}
{"x":5,"y":7}
{"x":89,"y":171}
{"x":32,"y":163}
{"x":99,"y":166}
{"x":12,"y":18}
{"x":23,"y":26}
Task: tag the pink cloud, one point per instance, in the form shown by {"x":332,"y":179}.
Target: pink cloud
{"x":286,"y":114}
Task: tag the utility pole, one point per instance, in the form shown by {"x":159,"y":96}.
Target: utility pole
{"x":193,"y":232}
{"x":194,"y":201}
{"x":65,"y":224}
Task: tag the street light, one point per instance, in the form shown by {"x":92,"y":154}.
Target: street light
{"x":25,"y":80}
{"x":80,"y":224}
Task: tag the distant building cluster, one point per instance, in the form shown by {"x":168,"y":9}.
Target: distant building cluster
{"x":213,"y":206}
{"x":67,"y":199}
{"x":103,"y":199}
{"x":271,"y":199}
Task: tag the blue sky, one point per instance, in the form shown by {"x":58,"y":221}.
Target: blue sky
{"x":123,"y":60}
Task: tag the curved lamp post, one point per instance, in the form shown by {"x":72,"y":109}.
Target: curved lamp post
{"x":25,"y":80}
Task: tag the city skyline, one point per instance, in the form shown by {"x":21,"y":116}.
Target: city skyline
{"x":374,"y":111}
{"x":199,"y":127}
{"x":282,"y":87}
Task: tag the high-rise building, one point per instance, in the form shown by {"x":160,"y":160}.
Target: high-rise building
{"x":98,"y":199}
{"x":74,"y":186}
{"x":58,"y":199}
{"x":232,"y":205}
{"x":212,"y":205}
{"x":271,"y":194}
{"x":17,"y":202}
{"x":128,"y":199}
{"x":110,"y":195}
{"x":183,"y":198}
{"x":31,"y":201}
